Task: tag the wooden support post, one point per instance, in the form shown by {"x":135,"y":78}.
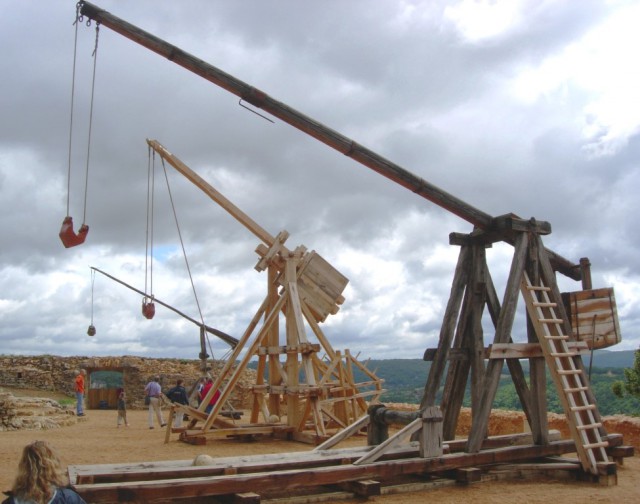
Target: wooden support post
{"x":172,"y":415}
{"x":363,"y":488}
{"x":377,"y":430}
{"x":619,"y":453}
{"x":431,"y":434}
{"x":475,"y":335}
{"x":537,"y":367}
{"x":503,"y":335}
{"x":585,"y":268}
{"x":246,"y":498}
{"x":447,"y":331}
{"x":467,"y":475}
{"x":607,"y":473}
{"x":458,"y":372}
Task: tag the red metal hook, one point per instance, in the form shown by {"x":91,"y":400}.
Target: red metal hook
{"x":68,"y":236}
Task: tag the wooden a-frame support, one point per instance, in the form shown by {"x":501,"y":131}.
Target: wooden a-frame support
{"x":304,"y":396}
{"x":461,"y":344}
{"x":312,"y":395}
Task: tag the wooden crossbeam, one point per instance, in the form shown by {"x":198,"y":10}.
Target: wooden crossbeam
{"x":272,"y":481}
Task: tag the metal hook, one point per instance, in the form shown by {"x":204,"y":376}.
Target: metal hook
{"x":256,"y":113}
{"x":79,"y":17}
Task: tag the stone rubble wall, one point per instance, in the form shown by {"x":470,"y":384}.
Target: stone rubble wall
{"x":57,"y":374}
{"x":31,"y":413}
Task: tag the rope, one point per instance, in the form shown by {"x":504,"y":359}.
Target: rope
{"x":73,"y":88}
{"x":78,"y":20}
{"x":93,"y":279}
{"x":184,"y":252}
{"x":93,"y":86}
{"x":148,"y":255}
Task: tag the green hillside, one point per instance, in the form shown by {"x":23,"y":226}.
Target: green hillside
{"x":404,"y":380}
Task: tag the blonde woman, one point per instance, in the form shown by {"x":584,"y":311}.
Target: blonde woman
{"x":40,"y":479}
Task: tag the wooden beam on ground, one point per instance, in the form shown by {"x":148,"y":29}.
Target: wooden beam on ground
{"x":300,"y":478}
{"x":170,"y":469}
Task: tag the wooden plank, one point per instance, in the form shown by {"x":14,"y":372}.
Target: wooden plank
{"x":364,"y":488}
{"x":301,"y":348}
{"x":529,"y":350}
{"x":401,"y":436}
{"x":168,"y":469}
{"x":343,"y":434}
{"x":301,"y":478}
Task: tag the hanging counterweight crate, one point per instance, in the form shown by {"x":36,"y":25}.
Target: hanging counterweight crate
{"x":594,"y":316}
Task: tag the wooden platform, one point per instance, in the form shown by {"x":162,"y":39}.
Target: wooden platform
{"x":264,"y":477}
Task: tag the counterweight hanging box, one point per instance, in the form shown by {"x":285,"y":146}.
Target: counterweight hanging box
{"x":594,"y":316}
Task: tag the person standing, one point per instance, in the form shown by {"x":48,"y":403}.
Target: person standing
{"x":199,"y":387}
{"x":178,"y":394}
{"x":214,"y":397}
{"x":153,"y":391}
{"x":79,"y":387}
{"x":122,"y":409}
{"x":40,"y":478}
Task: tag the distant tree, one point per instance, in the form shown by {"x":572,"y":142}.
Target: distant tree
{"x":631,"y":383}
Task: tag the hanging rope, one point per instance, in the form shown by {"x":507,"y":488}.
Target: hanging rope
{"x":73,"y":89}
{"x":184,"y":252}
{"x":92,"y":330}
{"x":148,"y":307}
{"x":67,"y":235}
{"x":93,"y":87}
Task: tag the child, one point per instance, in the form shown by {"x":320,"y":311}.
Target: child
{"x":122,"y":409}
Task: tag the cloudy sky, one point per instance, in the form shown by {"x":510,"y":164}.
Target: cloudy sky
{"x":528,"y":107}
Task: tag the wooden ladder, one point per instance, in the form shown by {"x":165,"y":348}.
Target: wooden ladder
{"x":567,"y":373}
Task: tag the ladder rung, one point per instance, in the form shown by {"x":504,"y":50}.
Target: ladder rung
{"x":600,"y":444}
{"x":584,"y":408}
{"x":551,"y":320}
{"x":589,"y":426}
{"x":556,"y":337}
{"x":545,"y":305}
{"x":576,"y":389}
{"x":569,"y":371}
{"x":538,"y":288}
{"x":563,"y":354}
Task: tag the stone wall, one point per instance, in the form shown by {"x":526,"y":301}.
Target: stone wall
{"x":17,"y":413}
{"x":57,"y":374}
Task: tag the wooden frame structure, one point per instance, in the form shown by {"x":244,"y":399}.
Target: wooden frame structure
{"x":460,"y":358}
{"x":324,"y":475}
{"x":314,"y":396}
{"x":550,"y":345}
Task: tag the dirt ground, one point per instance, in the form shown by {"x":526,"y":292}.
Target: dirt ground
{"x":95,"y":439}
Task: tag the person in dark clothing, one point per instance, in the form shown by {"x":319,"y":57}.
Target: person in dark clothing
{"x":178,"y":394}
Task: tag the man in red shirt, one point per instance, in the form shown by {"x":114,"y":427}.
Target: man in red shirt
{"x":79,"y":386}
